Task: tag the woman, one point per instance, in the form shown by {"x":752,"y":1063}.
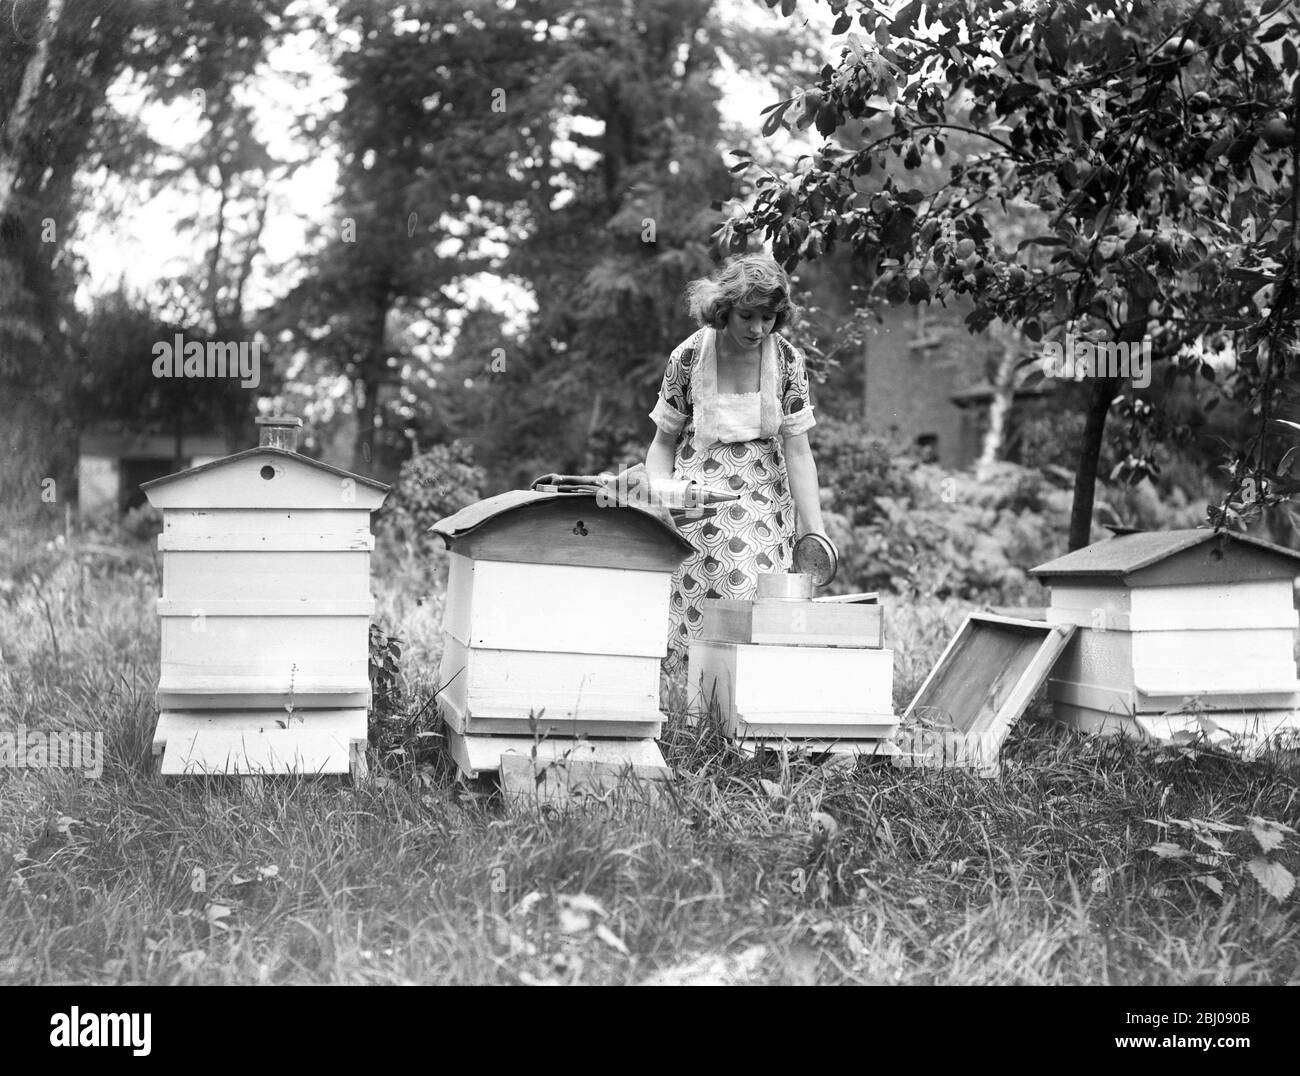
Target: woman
{"x":733,"y":413}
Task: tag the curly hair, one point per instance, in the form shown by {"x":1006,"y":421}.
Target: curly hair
{"x":753,"y":280}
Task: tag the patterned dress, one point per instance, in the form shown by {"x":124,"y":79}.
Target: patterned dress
{"x":756,"y":533}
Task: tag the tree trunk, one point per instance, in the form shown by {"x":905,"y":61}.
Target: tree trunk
{"x":15,"y":127}
{"x":369,"y":378}
{"x":214,"y":258}
{"x":1085,"y":474}
{"x":1004,"y":391}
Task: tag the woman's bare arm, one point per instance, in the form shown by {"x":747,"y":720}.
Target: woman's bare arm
{"x":659,"y":458}
{"x":802,"y":470}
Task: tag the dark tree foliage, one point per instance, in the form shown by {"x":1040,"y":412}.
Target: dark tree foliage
{"x":1151,"y":148}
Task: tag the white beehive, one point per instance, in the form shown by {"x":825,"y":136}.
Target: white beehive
{"x":265,"y":612}
{"x":555,"y":625}
{"x":1171,"y":623}
{"x":811,"y":673}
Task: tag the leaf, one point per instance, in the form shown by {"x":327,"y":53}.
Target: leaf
{"x":1268,"y":834}
{"x":214,"y":913}
{"x":1210,"y":882}
{"x":1168,"y":850}
{"x":1273,"y":878}
{"x":772,"y":789}
{"x":777,"y":113}
{"x":610,"y":938}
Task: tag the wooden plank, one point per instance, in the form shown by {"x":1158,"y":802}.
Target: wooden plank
{"x":1183,"y":682}
{"x":265,"y":607}
{"x":1105,"y":699}
{"x":1095,"y":594}
{"x":477,"y":721}
{"x":1097,"y":618}
{"x":863,"y":748}
{"x":1098,"y":657}
{"x":794,"y":691}
{"x":1198,"y":607}
{"x":237,"y":694}
{"x":1093,"y":696}
{"x":556,"y":608}
{"x":795,"y":678}
{"x":564,"y":684}
{"x":983,"y":682}
{"x":792,"y":623}
{"x":279,"y":751}
{"x":1212,"y":650}
{"x":818,"y":717}
{"x":575,"y":531}
{"x":199,"y":576}
{"x":1207,"y":563}
{"x":348,"y":724}
{"x":868,"y":727}
{"x":345,"y":523}
{"x":280,"y":543}
{"x":528,"y":784}
{"x":1020,"y":612}
{"x":482,"y":754}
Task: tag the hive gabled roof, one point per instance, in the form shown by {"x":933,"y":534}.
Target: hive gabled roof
{"x":225,"y":461}
{"x":265,"y":477}
{"x":534,"y":525}
{"x":1128,"y":555}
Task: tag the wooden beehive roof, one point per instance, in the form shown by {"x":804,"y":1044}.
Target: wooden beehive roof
{"x":1158,"y":558}
{"x":538,"y":527}
{"x":237,"y":481}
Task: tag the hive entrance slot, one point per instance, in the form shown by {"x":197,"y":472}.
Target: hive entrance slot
{"x":267,"y":472}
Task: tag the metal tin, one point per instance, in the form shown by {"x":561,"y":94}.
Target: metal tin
{"x":816,"y":557}
{"x":784,"y":586}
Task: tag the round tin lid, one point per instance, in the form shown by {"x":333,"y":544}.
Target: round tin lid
{"x":817,"y":557}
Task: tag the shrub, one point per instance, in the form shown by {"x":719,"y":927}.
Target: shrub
{"x":920,"y":530}
{"x":432,"y":484}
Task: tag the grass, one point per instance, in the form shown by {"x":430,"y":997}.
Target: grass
{"x":1038,"y":877}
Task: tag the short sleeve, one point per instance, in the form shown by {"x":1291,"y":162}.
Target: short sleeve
{"x":796,"y":403}
{"x":673,"y":407}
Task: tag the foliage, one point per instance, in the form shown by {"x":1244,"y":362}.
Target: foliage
{"x":434,"y":483}
{"x":856,"y":469}
{"x":1219,"y":855}
{"x":1154,"y":145}
{"x":917,"y":529}
{"x":174,"y":50}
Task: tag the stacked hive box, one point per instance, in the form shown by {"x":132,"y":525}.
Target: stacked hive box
{"x":265,"y":612}
{"x":1172,"y":624}
{"x":807,"y":671}
{"x":555,"y":625}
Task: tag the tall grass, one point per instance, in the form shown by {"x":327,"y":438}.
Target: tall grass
{"x":1039,"y":876}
